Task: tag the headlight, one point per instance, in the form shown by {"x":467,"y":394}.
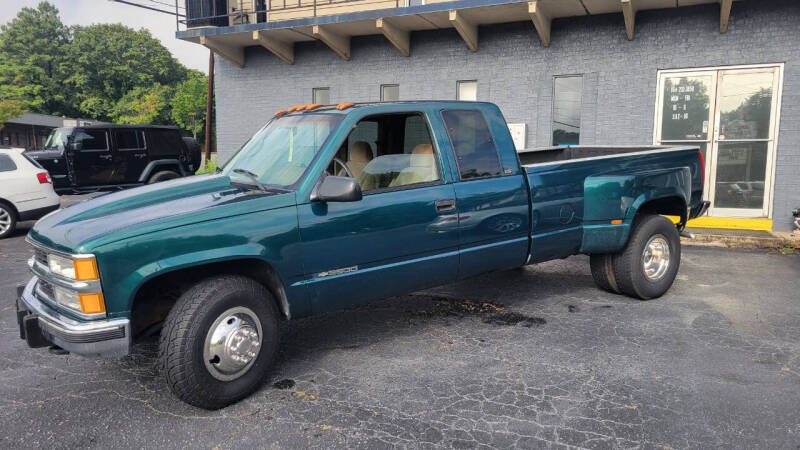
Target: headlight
{"x":83,"y":269}
{"x":67,"y":298}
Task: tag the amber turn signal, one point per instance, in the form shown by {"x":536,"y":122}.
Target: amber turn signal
{"x":616,"y":221}
{"x":92,"y":303}
{"x":86,"y":269}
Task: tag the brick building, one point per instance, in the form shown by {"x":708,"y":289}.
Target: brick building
{"x":723,"y":75}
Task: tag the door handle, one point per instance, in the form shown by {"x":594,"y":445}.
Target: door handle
{"x":105,"y":156}
{"x":445,"y":205}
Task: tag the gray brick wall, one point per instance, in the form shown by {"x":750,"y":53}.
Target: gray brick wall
{"x":515,"y":72}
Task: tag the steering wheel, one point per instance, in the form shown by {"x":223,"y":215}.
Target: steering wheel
{"x":344,"y":166}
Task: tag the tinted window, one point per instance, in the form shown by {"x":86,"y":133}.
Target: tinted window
{"x":165,"y":142}
{"x":129,"y":139}
{"x":6,"y":164}
{"x":472,"y":141}
{"x":92,"y":139}
{"x":567,"y":92}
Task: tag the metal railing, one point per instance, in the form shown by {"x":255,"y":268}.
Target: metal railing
{"x":260,"y":14}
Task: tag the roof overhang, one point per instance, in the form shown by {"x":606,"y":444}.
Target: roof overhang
{"x":396,"y":24}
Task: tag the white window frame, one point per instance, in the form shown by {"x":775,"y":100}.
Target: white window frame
{"x":710,"y":175}
{"x":321,"y":88}
{"x":458,"y":90}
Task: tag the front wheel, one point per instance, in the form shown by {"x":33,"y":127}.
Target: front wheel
{"x":648,"y":265}
{"x":219,"y":341}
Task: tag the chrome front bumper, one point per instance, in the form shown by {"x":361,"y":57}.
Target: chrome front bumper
{"x":42,"y":325}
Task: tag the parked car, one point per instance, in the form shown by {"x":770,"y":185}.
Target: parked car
{"x":26,"y":190}
{"x":108,"y":157}
{"x":429,"y":192}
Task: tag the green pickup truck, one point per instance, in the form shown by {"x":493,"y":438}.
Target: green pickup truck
{"x":327,"y":207}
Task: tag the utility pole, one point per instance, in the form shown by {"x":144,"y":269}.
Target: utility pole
{"x":210,"y":93}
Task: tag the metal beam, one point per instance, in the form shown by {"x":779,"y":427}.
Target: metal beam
{"x":281,"y":49}
{"x":467,"y":29}
{"x":233,"y":54}
{"x":629,"y":12}
{"x":724,"y":14}
{"x":337,"y":42}
{"x":541,"y":21}
{"x":399,"y":37}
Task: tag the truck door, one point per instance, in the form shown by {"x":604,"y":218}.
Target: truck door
{"x":492,"y":204}
{"x":91,"y":157}
{"x":131,"y":154}
{"x":402,"y":236}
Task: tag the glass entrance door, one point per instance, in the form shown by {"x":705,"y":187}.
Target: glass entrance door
{"x":744,"y":142}
{"x":731,"y":115}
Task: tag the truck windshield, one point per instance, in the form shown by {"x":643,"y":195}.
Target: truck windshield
{"x":58,"y":138}
{"x":281,"y":152}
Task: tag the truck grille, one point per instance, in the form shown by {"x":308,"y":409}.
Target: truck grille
{"x":40,"y":256}
{"x":47,"y":289}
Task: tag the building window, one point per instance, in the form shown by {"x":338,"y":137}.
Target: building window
{"x":467,"y":90}
{"x":567,"y":92}
{"x":390,"y":92}
{"x":321,"y":95}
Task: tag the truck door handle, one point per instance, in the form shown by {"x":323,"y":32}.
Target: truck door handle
{"x":105,"y":156}
{"x":448,"y":204}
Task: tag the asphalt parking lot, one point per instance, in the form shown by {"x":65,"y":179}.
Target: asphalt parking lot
{"x":534,"y":357}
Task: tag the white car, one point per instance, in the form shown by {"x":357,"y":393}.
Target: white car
{"x":26,"y":190}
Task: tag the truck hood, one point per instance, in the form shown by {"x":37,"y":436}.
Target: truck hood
{"x":112,"y":217}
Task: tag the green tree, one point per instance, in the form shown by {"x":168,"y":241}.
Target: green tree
{"x":10,"y":109}
{"x":189,"y":103}
{"x":149,"y":105}
{"x":33,"y":60}
{"x":109,"y":60}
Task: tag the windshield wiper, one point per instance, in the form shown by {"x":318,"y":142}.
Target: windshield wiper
{"x":261,"y":186}
{"x":253,"y":177}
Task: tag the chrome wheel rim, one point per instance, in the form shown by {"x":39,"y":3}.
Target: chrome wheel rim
{"x":232,"y":343}
{"x":5,"y":220}
{"x":655,"y":258}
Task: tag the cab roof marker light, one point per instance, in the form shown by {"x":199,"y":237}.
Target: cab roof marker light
{"x":279,"y":113}
{"x":344,"y":105}
{"x":312,"y":106}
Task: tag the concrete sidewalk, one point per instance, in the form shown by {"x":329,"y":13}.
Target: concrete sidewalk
{"x":786,"y":242}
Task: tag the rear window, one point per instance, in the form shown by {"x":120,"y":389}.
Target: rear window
{"x":129,"y":139}
{"x":92,"y":139}
{"x":473,"y":144}
{"x":7,"y":164}
{"x":165,"y":142}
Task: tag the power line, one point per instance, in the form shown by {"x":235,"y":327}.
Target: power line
{"x":148,"y":7}
{"x":171,"y":5}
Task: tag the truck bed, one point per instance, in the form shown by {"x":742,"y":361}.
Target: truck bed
{"x":570,"y":153}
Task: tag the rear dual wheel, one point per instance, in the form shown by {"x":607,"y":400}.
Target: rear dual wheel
{"x":647,"y":266}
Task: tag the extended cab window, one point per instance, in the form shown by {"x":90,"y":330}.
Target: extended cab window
{"x":476,"y":153}
{"x":388,"y":151}
{"x":129,"y":139}
{"x":6,"y":164}
{"x":92,"y":139}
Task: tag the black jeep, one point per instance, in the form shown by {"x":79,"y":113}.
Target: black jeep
{"x":108,"y":157}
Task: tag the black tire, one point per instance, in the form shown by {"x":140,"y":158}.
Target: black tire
{"x":181,"y":347}
{"x":628,"y":265}
{"x":8,"y":220}
{"x":194,"y":153}
{"x":602,"y":266}
{"x":163,"y":175}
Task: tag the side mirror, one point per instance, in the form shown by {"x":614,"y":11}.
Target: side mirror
{"x":336,"y":189}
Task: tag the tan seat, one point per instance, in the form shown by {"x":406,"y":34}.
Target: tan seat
{"x":359,"y":156}
{"x":422,"y":168}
